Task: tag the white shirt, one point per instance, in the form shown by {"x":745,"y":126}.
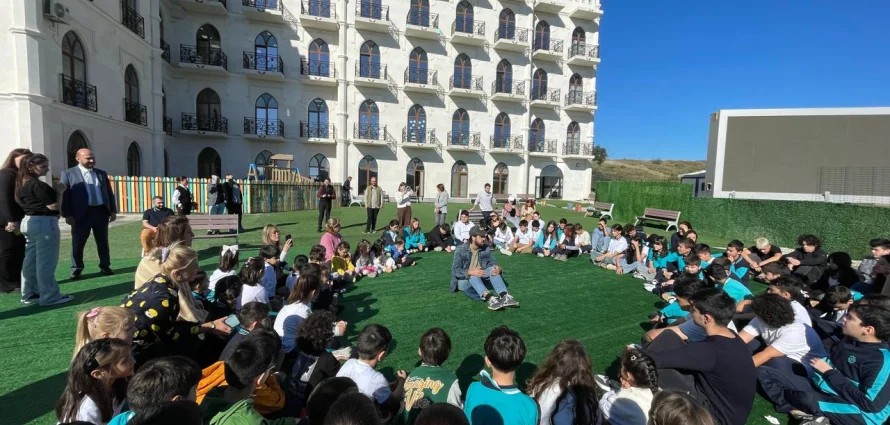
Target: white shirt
{"x":583,"y":238}
{"x":525,"y":238}
{"x":800,"y":314}
{"x":252,"y":293}
{"x":94,"y":193}
{"x":217,"y":276}
{"x":88,"y":411}
{"x":505,"y":236}
{"x":176,"y":202}
{"x":796,"y":341}
{"x":461,"y":230}
{"x":369,"y":381}
{"x":629,"y":406}
{"x":536,"y":234}
{"x":547,"y":403}
{"x":403,"y":199}
{"x":287,"y":324}
{"x":617,"y":245}
{"x":483,"y":201}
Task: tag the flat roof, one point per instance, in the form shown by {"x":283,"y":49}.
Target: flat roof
{"x":877,"y":110}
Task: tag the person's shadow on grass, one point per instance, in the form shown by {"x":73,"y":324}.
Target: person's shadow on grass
{"x":33,"y":400}
{"x":115,"y":292}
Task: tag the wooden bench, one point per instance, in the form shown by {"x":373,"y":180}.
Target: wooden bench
{"x":602,"y":208}
{"x":500,"y":198}
{"x":201,"y":223}
{"x":664,"y":216}
{"x":522,"y":197}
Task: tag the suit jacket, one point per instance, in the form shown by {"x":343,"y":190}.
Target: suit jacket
{"x":75,"y":201}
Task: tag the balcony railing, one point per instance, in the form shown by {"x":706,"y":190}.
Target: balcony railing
{"x":417,"y":136}
{"x":317,"y":68}
{"x":195,"y":122}
{"x":371,"y":70}
{"x":422,"y":18}
{"x":579,"y":98}
{"x":417,"y":76}
{"x":541,"y":145}
{"x":508,"y":87}
{"x":314,"y":130}
{"x":468,"y":26}
{"x":135,"y":113}
{"x":549,"y":95}
{"x":577,"y":148}
{"x":591,"y":51}
{"x":548,"y":44}
{"x":263,"y":4}
{"x":511,"y":33}
{"x":212,"y":56}
{"x":368,"y":131}
{"x":168,"y":126}
{"x":466,"y":82}
{"x":263,"y":127}
{"x":459,"y":138}
{"x":132,"y":20}
{"x":78,"y":93}
{"x":318,"y":8}
{"x":263,"y":62}
{"x":506,"y":141}
{"x":371,"y":10}
{"x":166,"y":51}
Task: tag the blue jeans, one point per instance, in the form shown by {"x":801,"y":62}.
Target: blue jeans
{"x":475,"y":286}
{"x":218,"y":209}
{"x":41,"y":258}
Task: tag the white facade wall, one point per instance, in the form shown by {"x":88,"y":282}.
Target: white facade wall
{"x":36,"y":117}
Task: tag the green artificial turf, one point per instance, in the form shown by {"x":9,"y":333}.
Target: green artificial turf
{"x":558,"y":301}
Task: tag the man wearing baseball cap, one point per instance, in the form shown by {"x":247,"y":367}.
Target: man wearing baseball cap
{"x":473,"y":267}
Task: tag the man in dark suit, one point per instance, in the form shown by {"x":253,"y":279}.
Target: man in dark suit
{"x":88,"y":204}
{"x":234,"y":198}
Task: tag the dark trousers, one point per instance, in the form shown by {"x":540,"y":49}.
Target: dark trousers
{"x":96,"y":220}
{"x":371,"y":225}
{"x":404,"y":216}
{"x":807,"y":398}
{"x":346,"y":198}
{"x":324,"y":211}
{"x":232,"y":208}
{"x":185,"y":209}
{"x":12,"y":255}
{"x":673,"y":379}
{"x":780,"y":374}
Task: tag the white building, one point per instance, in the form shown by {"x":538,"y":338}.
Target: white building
{"x":422,"y":91}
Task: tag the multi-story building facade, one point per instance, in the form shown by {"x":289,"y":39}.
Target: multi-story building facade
{"x":422,"y":91}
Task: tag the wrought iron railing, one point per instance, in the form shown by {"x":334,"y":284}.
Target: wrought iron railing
{"x":549,"y":95}
{"x":318,"y":8}
{"x":212,"y":56}
{"x":422,"y":18}
{"x":468,"y":26}
{"x":459,"y":138}
{"x":165,"y":55}
{"x":548,"y":44}
{"x":580,"y":98}
{"x":263,"y":62}
{"x":541,"y":145}
{"x":591,"y":51}
{"x":372,"y":10}
{"x":132,"y":20}
{"x":577,"y":148}
{"x":168,"y":126}
{"x":371,"y":70}
{"x":263,"y":127}
{"x":419,"y":137}
{"x":196,"y":122}
{"x":417,"y":76}
{"x":263,"y":4}
{"x":511,"y":33}
{"x":368,"y":131}
{"x":314,"y":130}
{"x":508,"y":87}
{"x":465,"y":82}
{"x":78,"y":93}
{"x":317,"y":68}
{"x":135,"y":113}
{"x":506,"y":141}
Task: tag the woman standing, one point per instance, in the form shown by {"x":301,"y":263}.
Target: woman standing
{"x":441,"y":205}
{"x":403,"y":205}
{"x":12,"y":242}
{"x":41,"y":229}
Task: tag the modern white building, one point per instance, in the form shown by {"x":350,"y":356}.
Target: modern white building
{"x":421,"y":91}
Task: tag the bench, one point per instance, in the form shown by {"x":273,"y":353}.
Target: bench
{"x":200,"y":223}
{"x":602,"y":208}
{"x":500,"y":197}
{"x":664,"y":216}
{"x":522,"y":197}
{"x":358,"y":200}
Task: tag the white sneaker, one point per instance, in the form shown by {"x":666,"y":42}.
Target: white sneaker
{"x":639,"y":276}
{"x":438,"y":249}
{"x":541,"y":255}
{"x":342,"y":354}
{"x":648,"y":287}
{"x":506,"y":251}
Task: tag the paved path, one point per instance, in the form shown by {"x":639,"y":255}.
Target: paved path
{"x":121,"y":219}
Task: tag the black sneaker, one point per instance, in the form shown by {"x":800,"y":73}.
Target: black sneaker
{"x":495,"y":303}
{"x":75,"y":275}
{"x":107,"y":271}
{"x":508,"y":301}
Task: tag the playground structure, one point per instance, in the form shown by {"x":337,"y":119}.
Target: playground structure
{"x":277,"y":169}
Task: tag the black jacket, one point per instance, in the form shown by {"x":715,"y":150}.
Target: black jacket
{"x":10,"y":210}
{"x":435,"y":238}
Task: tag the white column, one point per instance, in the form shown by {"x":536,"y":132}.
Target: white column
{"x":341,"y":169}
{"x":30,"y":91}
{"x":156,"y":123}
{"x":527,"y":119}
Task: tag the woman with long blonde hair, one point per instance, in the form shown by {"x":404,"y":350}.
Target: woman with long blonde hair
{"x":272,"y":236}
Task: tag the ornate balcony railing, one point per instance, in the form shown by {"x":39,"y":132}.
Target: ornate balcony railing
{"x":317,"y":130}
{"x":263,"y":4}
{"x":168,"y":126}
{"x":577,"y":148}
{"x":550,"y":95}
{"x":317,"y":68}
{"x":195,"y":122}
{"x":591,"y":51}
{"x":548,"y":44}
{"x":466,"y":82}
{"x":135,"y":113}
{"x":166,"y":51}
{"x":506,"y":141}
{"x":542,"y":145}
{"x":371,"y":70}
{"x":132,"y":20}
{"x":417,"y":136}
{"x":263,"y":127}
{"x":417,"y":76}
{"x":508,"y":87}
{"x":203,"y":56}
{"x":468,"y":26}
{"x":372,"y":10}
{"x":580,"y":98}
{"x":423,"y":18}
{"x":457,"y":138}
{"x":369,"y":131}
{"x":511,"y":33}
{"x":78,"y":93}
{"x":263,"y":62}
{"x":318,"y":8}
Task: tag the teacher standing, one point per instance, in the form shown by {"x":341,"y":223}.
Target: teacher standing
{"x":88,"y":205}
{"x":441,"y":205}
{"x":326,"y":196}
{"x":403,"y":205}
{"x":12,"y":242}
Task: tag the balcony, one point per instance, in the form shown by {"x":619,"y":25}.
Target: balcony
{"x":419,"y":139}
{"x":466,"y":86}
{"x":549,"y":6}
{"x":204,"y":59}
{"x":372,"y":16}
{"x":419,"y":81}
{"x":318,"y":14}
{"x":205,"y":125}
{"x":584,"y":55}
{"x":132,"y":20}
{"x":586,"y":10}
{"x":262,"y":66}
{"x":577,"y":150}
{"x":542,"y":147}
{"x":547,"y":98}
{"x":213,"y":7}
{"x":468,"y":31}
{"x":580,"y":102}
{"x":318,"y":73}
{"x":508,"y":91}
{"x":548,"y":50}
{"x":422,"y":24}
{"x":506,"y":144}
{"x":371,"y":75}
{"x":135,"y":113}
{"x":78,"y":93}
{"x":318,"y":133}
{"x":262,"y":128}
{"x":168,"y":126}
{"x":263,"y":10}
{"x":511,"y":39}
{"x":460,"y":141}
{"x":165,"y":55}
{"x":368,"y":134}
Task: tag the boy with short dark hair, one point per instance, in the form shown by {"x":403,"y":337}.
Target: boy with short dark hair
{"x":496,"y":400}
{"x":742,"y":296}
{"x":372,"y":346}
{"x":738,"y":268}
{"x":583,"y":239}
{"x":299,"y":261}
{"x":879,"y":248}
{"x":523,"y":240}
{"x":271,"y":255}
{"x":253,"y":315}
{"x":431,"y":383}
{"x":703,"y":252}
{"x":390,"y":234}
{"x":399,"y":254}
{"x":611,"y":260}
{"x":160,"y":380}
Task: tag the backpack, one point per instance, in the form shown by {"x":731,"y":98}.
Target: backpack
{"x":865,"y":269}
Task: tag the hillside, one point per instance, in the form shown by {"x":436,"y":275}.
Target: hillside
{"x":644,"y":170}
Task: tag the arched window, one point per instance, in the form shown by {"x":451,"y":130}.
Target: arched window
{"x":267,"y":115}
{"x":317,"y":125}
{"x":74,"y":64}
{"x":76,"y":142}
{"x":576,"y":89}
{"x":265,"y":47}
{"x":504,"y":77}
{"x":460,"y":128}
{"x":416,"y":131}
{"x":369,"y":120}
{"x":209,"y":163}
{"x":542,"y":36}
{"x":463,"y":72}
{"x":208,"y":45}
{"x":414,"y":176}
{"x":573,"y":135}
{"x":208,"y":111}
{"x":371,"y":9}
{"x":464,"y":20}
{"x":499,"y":179}
{"x":536,"y":136}
{"x":367,"y":168}
{"x":262,"y":161}
{"x":132,"y":109}
{"x":502,"y":131}
{"x":134,"y":160}
{"x":419,"y":13}
{"x":549,"y":185}
{"x":459,"y":179}
{"x":319,"y":58}
{"x":417,"y":67}
{"x":578,"y":42}
{"x":318,"y":168}
{"x":369,"y":60}
{"x":506,"y":25}
{"x":539,"y":85}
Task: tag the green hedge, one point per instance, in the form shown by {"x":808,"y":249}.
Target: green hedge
{"x":841,"y":227}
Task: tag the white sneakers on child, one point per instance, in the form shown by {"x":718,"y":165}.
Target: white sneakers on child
{"x":506,"y":251}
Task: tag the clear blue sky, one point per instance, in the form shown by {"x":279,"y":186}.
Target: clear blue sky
{"x":666,"y":65}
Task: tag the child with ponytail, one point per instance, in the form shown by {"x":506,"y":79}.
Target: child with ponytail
{"x":97,"y":382}
{"x":103,"y":322}
{"x":631,"y":401}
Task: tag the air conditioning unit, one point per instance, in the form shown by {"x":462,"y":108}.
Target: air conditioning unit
{"x":55,"y":11}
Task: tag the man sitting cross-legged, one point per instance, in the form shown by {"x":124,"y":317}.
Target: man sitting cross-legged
{"x":473,"y":265}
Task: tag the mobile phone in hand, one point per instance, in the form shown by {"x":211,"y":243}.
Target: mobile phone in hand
{"x":287,"y":238}
{"x":232,"y":321}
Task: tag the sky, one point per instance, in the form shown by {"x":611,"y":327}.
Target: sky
{"x":667,"y":65}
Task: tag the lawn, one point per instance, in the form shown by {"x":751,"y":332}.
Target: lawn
{"x":558,"y":301}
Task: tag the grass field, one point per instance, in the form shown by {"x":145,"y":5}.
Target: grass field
{"x":558,"y":301}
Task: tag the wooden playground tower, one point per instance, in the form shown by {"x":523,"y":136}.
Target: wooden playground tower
{"x":279,"y":168}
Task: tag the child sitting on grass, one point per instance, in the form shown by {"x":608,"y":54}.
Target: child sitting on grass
{"x":390,"y":234}
{"x":373,"y":345}
{"x":299,"y":261}
{"x":440,"y":239}
{"x":227,"y":265}
{"x":430,"y":382}
{"x":271,"y":256}
{"x":251,"y":275}
{"x":677,"y":309}
{"x":381,"y":258}
{"x":103,"y":322}
{"x":314,"y":363}
{"x":399,"y":254}
{"x":503,"y":238}
{"x":97,"y":382}
{"x":718,"y":273}
{"x":342,"y":268}
{"x":564,"y":387}
{"x":415,"y":240}
{"x":739,"y":267}
{"x":584,"y":242}
{"x":253,"y":315}
{"x":363,"y":258}
{"x":629,"y":400}
{"x":160,"y":380}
